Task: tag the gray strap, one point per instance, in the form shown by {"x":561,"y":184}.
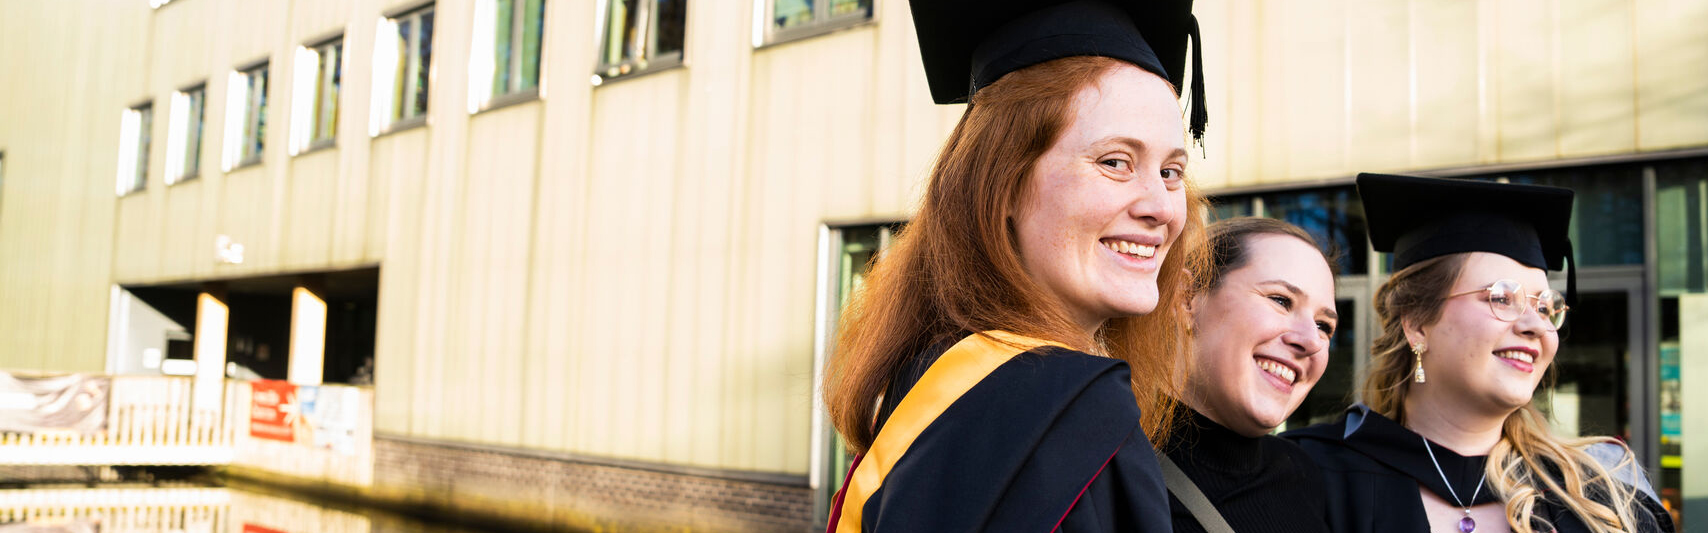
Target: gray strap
{"x":1182,"y":487}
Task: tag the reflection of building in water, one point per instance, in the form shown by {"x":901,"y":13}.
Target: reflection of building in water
{"x":584,"y":262}
{"x":121,"y":510}
{"x":173,"y":510}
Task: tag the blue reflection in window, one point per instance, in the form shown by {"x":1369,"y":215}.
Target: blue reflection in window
{"x":1607,"y":214}
{"x":1334,"y":217}
{"x":1223,"y":208}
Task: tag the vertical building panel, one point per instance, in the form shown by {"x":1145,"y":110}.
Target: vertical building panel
{"x":560,"y":210}
{"x":1312,"y":92}
{"x":309,"y":206}
{"x":1445,"y":77}
{"x":1525,"y":70}
{"x":399,"y":161}
{"x":1671,"y":54}
{"x":1378,"y":85}
{"x":1245,"y":83}
{"x":1597,"y":82}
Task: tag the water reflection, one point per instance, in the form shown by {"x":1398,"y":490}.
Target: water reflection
{"x":147,"y":509}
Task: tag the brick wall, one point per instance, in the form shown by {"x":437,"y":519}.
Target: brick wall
{"x":542,"y":488}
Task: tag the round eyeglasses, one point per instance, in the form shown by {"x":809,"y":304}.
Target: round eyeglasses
{"x":1508,"y":301}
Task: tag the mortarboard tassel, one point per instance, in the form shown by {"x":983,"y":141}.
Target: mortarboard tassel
{"x":1199,"y":117}
{"x":1571,"y":276}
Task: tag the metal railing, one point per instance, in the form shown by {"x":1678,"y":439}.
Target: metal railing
{"x":149,"y":422}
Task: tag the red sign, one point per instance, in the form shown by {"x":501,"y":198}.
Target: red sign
{"x":252,"y":528}
{"x":273,"y":410}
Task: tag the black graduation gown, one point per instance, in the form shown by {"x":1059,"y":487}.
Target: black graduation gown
{"x":1044,"y":439}
{"x":1372,"y":467}
{"x":1259,"y":485}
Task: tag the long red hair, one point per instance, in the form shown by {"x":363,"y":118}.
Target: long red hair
{"x":956,"y":267}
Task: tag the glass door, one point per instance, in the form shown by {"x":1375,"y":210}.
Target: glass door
{"x":1348,"y":357}
{"x":846,"y":254}
{"x":1599,"y":364}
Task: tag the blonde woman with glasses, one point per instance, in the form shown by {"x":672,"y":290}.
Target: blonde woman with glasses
{"x":1450,"y":436}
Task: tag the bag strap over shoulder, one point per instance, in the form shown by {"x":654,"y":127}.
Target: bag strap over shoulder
{"x":1182,"y":487}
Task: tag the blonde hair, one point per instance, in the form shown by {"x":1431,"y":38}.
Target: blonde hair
{"x":1529,"y":462}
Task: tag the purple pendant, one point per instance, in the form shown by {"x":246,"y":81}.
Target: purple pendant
{"x":1467,"y":525}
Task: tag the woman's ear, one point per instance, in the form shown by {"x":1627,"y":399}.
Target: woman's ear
{"x":1414,"y":333}
{"x":1190,"y":305}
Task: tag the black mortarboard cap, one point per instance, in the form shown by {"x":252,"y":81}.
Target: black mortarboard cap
{"x":1423,"y":218}
{"x":969,"y":44}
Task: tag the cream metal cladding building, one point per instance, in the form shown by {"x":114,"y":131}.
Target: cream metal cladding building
{"x":633,"y":270}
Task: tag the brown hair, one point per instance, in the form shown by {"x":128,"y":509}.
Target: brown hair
{"x":1229,"y":241}
{"x":1529,"y":462}
{"x":956,"y":267}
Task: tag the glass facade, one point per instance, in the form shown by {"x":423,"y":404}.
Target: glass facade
{"x":1681,"y":251}
{"x":1333,"y":216}
{"x":1607,"y":215}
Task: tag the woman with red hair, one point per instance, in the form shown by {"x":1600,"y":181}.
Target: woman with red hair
{"x":1011,"y":357}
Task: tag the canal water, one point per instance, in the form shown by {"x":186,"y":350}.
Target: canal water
{"x":195,"y":508}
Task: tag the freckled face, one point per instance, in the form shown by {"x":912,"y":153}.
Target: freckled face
{"x":1473,"y":356}
{"x":1262,"y":335}
{"x":1105,"y":203}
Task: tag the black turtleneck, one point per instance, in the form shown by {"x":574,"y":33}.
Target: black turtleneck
{"x":1262,"y":484}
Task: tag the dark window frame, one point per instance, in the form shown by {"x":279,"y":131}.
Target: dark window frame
{"x":637,"y":58}
{"x":822,"y":21}
{"x":138,"y":173}
{"x":412,"y":84}
{"x":195,"y":133}
{"x":253,"y":133}
{"x":326,"y":104}
{"x":514,"y":89}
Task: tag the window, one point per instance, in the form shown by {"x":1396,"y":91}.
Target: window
{"x":846,"y":254}
{"x":1334,"y":216}
{"x":184,"y":136}
{"x":402,"y":62}
{"x":794,"y":19}
{"x":1607,"y":211}
{"x":135,"y":136}
{"x":506,"y":55}
{"x":246,"y":116}
{"x":314,"y":110}
{"x":640,"y":35}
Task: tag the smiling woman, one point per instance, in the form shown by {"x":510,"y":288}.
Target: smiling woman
{"x":983,"y":373}
{"x":1452,"y":435}
{"x":1102,"y":206}
{"x":1262,"y":317}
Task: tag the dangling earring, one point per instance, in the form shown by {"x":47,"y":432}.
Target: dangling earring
{"x":1417,"y":349}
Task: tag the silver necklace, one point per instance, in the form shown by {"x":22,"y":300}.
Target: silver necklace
{"x":1466,"y":524}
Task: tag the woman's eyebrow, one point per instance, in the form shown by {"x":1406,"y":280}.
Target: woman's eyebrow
{"x":1300,"y":294}
{"x":1137,"y":145}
